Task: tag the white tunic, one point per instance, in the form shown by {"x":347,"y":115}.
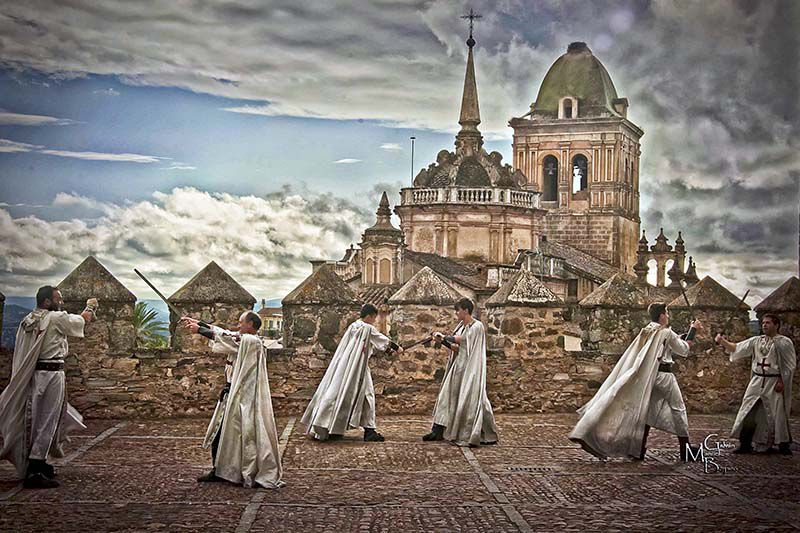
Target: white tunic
{"x":612,"y":422}
{"x":462,"y":405}
{"x":36,"y":398}
{"x":667,"y":411}
{"x":769,"y":358}
{"x":345,"y":398}
{"x":248,"y":446}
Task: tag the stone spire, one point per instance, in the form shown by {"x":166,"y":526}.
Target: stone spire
{"x":691,"y":274}
{"x":383,"y":215}
{"x":643,"y":244}
{"x":661,"y":243}
{"x":679,"y":244}
{"x":469,"y":140}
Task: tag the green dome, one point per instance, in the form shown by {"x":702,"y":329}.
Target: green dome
{"x":580,"y":74}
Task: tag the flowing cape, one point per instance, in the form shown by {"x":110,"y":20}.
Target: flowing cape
{"x":345,"y":398}
{"x":248,"y":446}
{"x":462,"y":405}
{"x":612,"y":422}
{"x":14,"y":399}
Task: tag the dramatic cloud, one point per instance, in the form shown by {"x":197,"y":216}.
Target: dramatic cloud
{"x":10,"y":147}
{"x":8,"y":118}
{"x":100,"y":156}
{"x":263,"y":242}
{"x":714,"y":85}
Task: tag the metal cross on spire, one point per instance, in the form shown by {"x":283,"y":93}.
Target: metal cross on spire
{"x":472,"y":17}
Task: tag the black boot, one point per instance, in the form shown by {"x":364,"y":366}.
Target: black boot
{"x":209,"y":477}
{"x":784,"y":448}
{"x":36,"y":477}
{"x":683,"y":443}
{"x":370,"y":435}
{"x":644,"y":442}
{"x":745,"y":441}
{"x":437,"y":433}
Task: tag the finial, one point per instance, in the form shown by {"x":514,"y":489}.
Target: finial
{"x":472,"y":17}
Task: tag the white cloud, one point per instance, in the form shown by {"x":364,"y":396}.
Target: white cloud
{"x":347,"y":161}
{"x":391,"y":147}
{"x":263,"y":242}
{"x":8,"y":118}
{"x":106,"y":92}
{"x":8,"y":146}
{"x":102,"y":156}
{"x":179,"y":166}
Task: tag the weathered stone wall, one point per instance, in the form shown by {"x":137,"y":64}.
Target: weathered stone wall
{"x":224,"y":315}
{"x":316,"y":328}
{"x":528,"y":370}
{"x":609,"y":330}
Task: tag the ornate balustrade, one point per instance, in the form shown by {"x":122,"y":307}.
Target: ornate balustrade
{"x":470,"y":195}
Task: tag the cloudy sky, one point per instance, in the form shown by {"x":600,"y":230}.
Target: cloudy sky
{"x":163,"y":135}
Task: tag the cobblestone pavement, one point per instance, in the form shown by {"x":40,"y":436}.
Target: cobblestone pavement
{"x":139,"y":475}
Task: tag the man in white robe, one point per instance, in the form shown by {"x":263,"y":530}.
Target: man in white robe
{"x":242,"y":434}
{"x":35,"y":417}
{"x":763,"y":417}
{"x":463,"y":413}
{"x":640,"y":392}
{"x":345,"y":398}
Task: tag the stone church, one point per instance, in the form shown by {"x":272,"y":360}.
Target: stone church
{"x":567,"y":210}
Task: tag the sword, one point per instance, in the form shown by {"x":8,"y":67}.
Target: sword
{"x":418,"y":342}
{"x":733,"y":313}
{"x":171,"y":307}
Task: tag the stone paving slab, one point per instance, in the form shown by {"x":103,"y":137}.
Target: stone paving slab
{"x":136,"y":484}
{"x":587,"y":487}
{"x":385,"y":456}
{"x":131,"y":451}
{"x":722,"y":514}
{"x":349,"y":487}
{"x":382,"y":519}
{"x":95,"y":517}
{"x":754,"y":464}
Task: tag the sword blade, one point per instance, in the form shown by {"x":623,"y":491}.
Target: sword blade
{"x":171,"y":307}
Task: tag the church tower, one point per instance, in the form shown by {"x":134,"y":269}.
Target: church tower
{"x":578,"y":148}
{"x":468,"y":204}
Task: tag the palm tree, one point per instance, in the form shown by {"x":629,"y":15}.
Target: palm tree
{"x":150,"y":332}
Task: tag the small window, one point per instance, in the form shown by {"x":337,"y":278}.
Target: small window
{"x":568,"y":108}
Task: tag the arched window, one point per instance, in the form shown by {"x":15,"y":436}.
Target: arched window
{"x":626,"y":170}
{"x":385,"y":271}
{"x":550,"y":179}
{"x":568,"y":108}
{"x":580,"y":173}
{"x":370,"y":268}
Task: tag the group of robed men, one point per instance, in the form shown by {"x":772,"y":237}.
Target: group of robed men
{"x":640,"y":392}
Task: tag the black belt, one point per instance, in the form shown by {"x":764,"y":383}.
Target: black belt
{"x":50,"y":366}
{"x":224,"y":392}
{"x":665,"y":367}
{"x":766,"y":375}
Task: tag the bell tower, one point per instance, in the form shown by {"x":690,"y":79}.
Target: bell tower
{"x":577,"y":146}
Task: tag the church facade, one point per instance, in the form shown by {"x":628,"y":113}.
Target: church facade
{"x":567,"y":210}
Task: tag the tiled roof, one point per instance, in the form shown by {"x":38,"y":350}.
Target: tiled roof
{"x":376,"y":294}
{"x":524,"y":289}
{"x":465,"y":272}
{"x":784,"y":298}
{"x":212,"y":284}
{"x":619,"y":291}
{"x":578,"y":261}
{"x":709,"y":294}
{"x":323,"y":286}
{"x":426,"y":287}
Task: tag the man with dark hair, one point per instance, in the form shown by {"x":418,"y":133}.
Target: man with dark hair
{"x":345,"y":398}
{"x":463,"y":413}
{"x":763,"y":417}
{"x":640,"y":392}
{"x":242,"y":433}
{"x":34,"y":414}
